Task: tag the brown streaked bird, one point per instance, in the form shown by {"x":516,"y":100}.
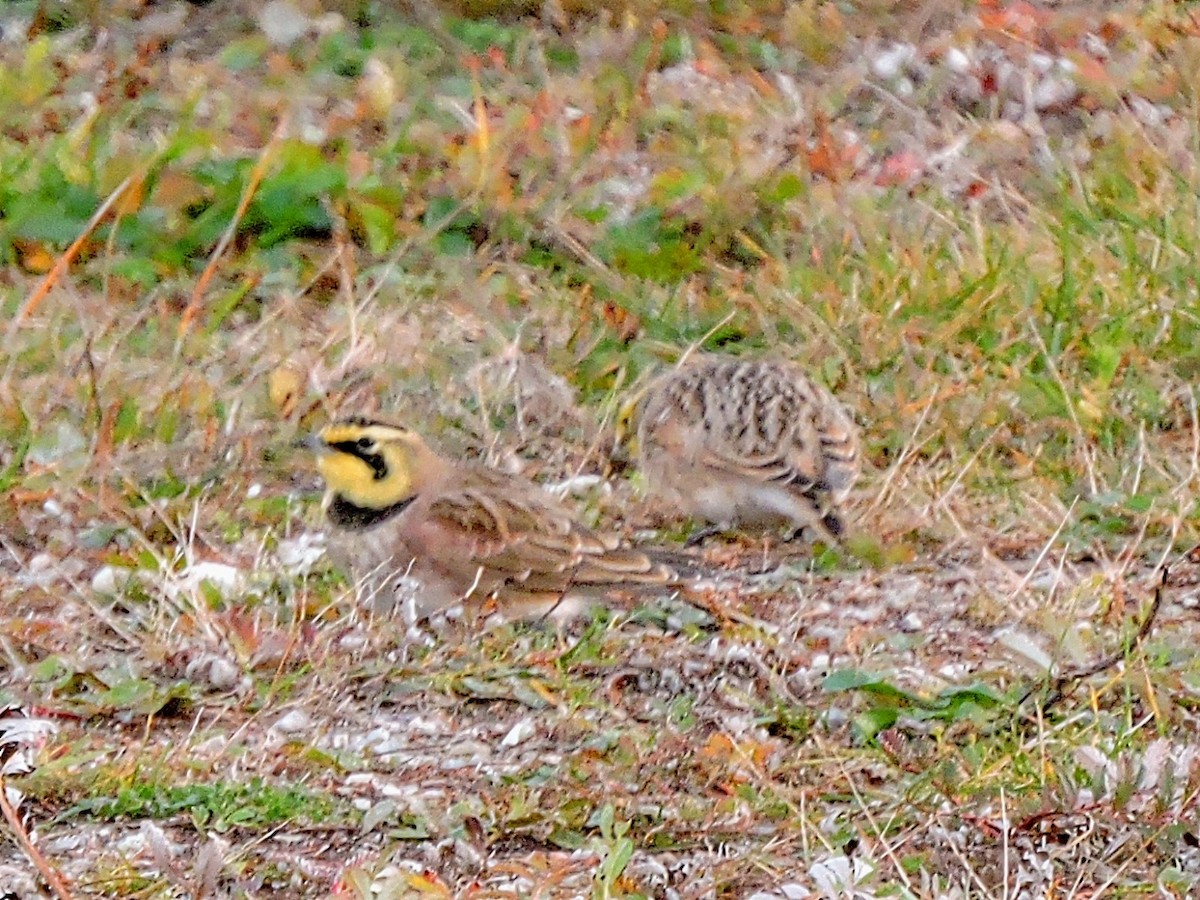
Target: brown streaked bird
{"x":464,"y":533}
{"x":748,"y":442}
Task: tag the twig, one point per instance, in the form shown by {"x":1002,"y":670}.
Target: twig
{"x":1067,"y":680}
{"x":699,"y":342}
{"x":45,"y":868}
{"x":910,"y":448}
{"x":1067,"y":394}
{"x":1028,"y":576}
{"x":256,"y":176}
{"x":64,"y":261}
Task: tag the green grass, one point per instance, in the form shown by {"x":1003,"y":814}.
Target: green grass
{"x":218,"y":807}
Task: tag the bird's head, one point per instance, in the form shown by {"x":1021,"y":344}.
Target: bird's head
{"x":372,"y":465}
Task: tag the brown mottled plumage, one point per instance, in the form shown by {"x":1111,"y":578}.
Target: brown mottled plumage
{"x":495,"y":542}
{"x":757,"y":442}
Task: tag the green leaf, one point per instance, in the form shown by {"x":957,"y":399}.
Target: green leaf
{"x":378,"y":224}
{"x":873,"y":721}
{"x":857,"y":679}
{"x":567,"y":838}
{"x":617,"y":859}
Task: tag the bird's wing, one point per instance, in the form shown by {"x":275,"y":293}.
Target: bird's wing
{"x":807,"y":444}
{"x":522,"y":536}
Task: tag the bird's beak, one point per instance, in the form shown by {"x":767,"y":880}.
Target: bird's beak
{"x":311,"y":442}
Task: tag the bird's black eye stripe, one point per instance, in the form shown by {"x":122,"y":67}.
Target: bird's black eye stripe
{"x":356,"y":448}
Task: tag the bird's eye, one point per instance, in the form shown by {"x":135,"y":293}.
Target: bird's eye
{"x":364,"y":443}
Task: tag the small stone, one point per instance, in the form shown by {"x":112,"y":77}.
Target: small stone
{"x":889,"y":63}
{"x":225,"y":578}
{"x":282,"y":23}
{"x":293,"y":722}
{"x":110,"y":580}
{"x":957,"y":61}
{"x":299,"y":554}
{"x":519,"y":733}
{"x":222,"y":674}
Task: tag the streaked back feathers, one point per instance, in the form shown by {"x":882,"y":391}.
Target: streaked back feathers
{"x":750,"y":441}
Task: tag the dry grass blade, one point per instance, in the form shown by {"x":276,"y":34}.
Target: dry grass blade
{"x":1064,"y":682}
{"x":257,"y":174}
{"x":46,"y":869}
{"x":68,"y":256}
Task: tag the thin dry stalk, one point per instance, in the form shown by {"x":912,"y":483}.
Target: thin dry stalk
{"x":1081,"y":435}
{"x":910,"y":447}
{"x":257,"y":174}
{"x":965,"y":468}
{"x":880,"y":833}
{"x":1024,"y":582}
{"x":699,"y":342}
{"x":68,"y":256}
{"x":427,"y":234}
{"x":45,"y":868}
{"x":1068,"y":679}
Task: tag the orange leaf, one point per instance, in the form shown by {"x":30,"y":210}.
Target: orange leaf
{"x":621,"y":320}
{"x":131,"y":200}
{"x":1020,"y":18}
{"x":718,"y":747}
{"x":1091,"y":69}
{"x":827,"y":156}
{"x":34,"y":257}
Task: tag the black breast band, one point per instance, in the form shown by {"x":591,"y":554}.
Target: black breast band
{"x":345,"y":514}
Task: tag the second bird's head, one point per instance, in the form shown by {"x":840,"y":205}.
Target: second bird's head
{"x":371,"y":465}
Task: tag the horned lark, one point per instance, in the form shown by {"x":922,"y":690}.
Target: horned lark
{"x":462,"y":533}
{"x":756,"y":442}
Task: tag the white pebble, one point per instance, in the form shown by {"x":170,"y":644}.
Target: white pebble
{"x":282,"y":23}
{"x":1041,"y":61}
{"x":227,"y":579}
{"x":292,"y":722}
{"x":1054,"y":92}
{"x":222,"y":674}
{"x":422,"y":725}
{"x":253,"y":491}
{"x":957,"y":61}
{"x":301,"y":553}
{"x":110,"y":580}
{"x":519,"y":733}
{"x":889,"y":63}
